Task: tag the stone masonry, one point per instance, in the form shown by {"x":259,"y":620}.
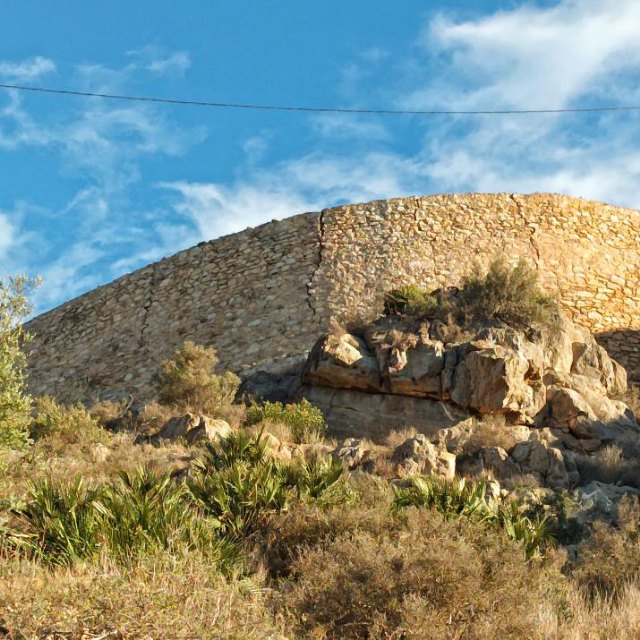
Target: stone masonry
{"x":265,"y":294}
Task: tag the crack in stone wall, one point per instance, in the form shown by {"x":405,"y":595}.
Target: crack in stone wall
{"x":531,"y":227}
{"x":311,"y":291}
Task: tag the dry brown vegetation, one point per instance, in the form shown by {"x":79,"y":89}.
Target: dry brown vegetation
{"x":288,"y":550}
{"x":352,"y":571}
{"x":609,"y":466}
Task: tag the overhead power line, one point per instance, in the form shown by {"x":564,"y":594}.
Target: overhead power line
{"x":274,"y":107}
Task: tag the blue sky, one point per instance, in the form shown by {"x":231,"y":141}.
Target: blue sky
{"x":91,"y":189}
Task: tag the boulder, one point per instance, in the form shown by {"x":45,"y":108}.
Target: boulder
{"x":418,"y":456}
{"x":498,"y":461}
{"x":592,"y":360}
{"x":351,"y":452}
{"x":495,"y":379}
{"x":343,"y":362}
{"x":275,"y":448}
{"x":416,"y":371}
{"x":567,"y":405}
{"x":599,"y":501}
{"x":545,"y":463}
{"x":208,"y":429}
{"x":101,"y":453}
{"x":192,"y":428}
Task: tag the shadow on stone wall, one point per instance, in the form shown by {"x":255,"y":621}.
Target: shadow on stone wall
{"x":624,"y":346}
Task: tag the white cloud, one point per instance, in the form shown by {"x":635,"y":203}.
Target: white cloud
{"x":153,"y":59}
{"x":7,"y":234}
{"x":574,"y":53}
{"x":532,"y":57}
{"x":26,"y":70}
{"x":309,"y":183}
{"x":217,"y":210}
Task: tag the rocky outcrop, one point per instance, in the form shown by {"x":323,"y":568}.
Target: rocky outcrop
{"x":558,"y":378}
{"x":553,"y":390}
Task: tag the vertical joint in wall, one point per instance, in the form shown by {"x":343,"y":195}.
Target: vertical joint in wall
{"x":311,"y":283}
{"x":532,"y":230}
{"x":144,"y":325}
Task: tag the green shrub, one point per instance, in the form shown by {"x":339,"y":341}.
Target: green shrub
{"x":510,"y":294}
{"x":240,"y":485}
{"x":457,"y":498}
{"x":189,"y":383}
{"x":239,"y":497}
{"x":138,"y":513}
{"x":502,"y":292}
{"x":237,"y":447}
{"x":143,"y":511}
{"x":319,"y":478}
{"x":409,"y":300}
{"x":57,"y":523}
{"x":69,"y":424}
{"x":15,"y":403}
{"x":306,"y":421}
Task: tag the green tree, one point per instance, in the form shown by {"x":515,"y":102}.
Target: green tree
{"x":188,"y":381}
{"x":15,"y":402}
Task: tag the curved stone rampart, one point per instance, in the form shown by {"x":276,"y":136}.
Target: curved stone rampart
{"x":266,"y":293}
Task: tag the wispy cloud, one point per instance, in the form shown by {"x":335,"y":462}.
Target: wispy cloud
{"x":572,"y":53}
{"x":7,"y":234}
{"x":102,"y":144}
{"x":26,"y":70}
{"x":156,"y":60}
{"x":309,"y":183}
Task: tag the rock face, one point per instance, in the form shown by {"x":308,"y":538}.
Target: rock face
{"x":553,"y":392}
{"x":563,"y":380}
{"x":357,"y":413}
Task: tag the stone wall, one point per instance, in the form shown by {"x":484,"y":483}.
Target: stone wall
{"x":245,"y":293}
{"x":263,"y":295}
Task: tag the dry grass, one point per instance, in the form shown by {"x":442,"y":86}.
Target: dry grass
{"x":609,"y":466}
{"x":95,"y":461}
{"x":609,"y":559}
{"x":163,"y":596}
{"x":602,"y":619}
{"x":422,"y":577}
{"x":396,"y":437}
{"x":490,"y":431}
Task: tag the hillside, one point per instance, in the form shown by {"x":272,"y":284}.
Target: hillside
{"x":458,"y":455}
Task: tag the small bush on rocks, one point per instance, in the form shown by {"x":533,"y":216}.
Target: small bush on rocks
{"x":305,"y":421}
{"x":504,"y":293}
{"x":510,"y":294}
